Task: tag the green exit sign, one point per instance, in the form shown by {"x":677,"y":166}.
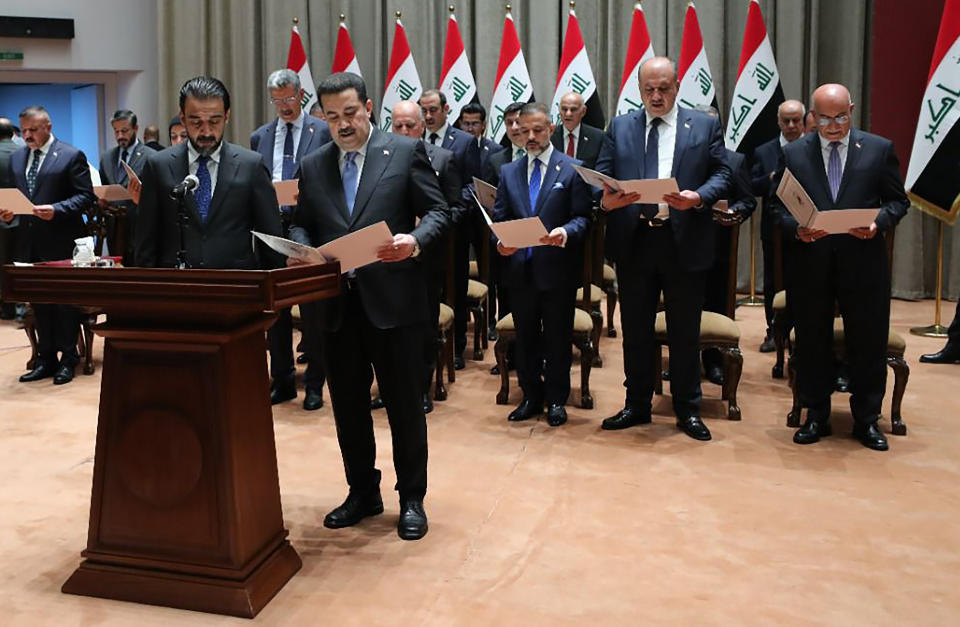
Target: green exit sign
{"x":10,"y":55}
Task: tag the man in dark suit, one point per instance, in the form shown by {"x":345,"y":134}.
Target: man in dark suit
{"x":363,"y":177}
{"x":282,"y":143}
{"x":843,"y":168}
{"x":151,"y":137}
{"x":667,"y":246}
{"x":439,"y":132}
{"x":949,"y":354}
{"x":56,"y":178}
{"x":7,"y":148}
{"x":574,"y":138}
{"x":543,"y":279}
{"x":134,"y":153}
{"x":234,"y":195}
{"x":767,"y":162}
{"x":407,"y":120}
{"x":473,"y":120}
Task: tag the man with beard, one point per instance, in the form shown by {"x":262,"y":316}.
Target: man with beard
{"x":134,"y":153}
{"x":234,"y":195}
{"x":543,"y":279}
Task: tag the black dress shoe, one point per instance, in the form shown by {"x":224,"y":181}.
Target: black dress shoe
{"x":427,"y":403}
{"x":493,"y":336}
{"x":458,"y":363}
{"x":768,"y":345}
{"x":556,"y":415}
{"x":870,"y":436}
{"x":494,"y":369}
{"x":377,"y":402}
{"x":812,"y":430}
{"x":525,"y":410}
{"x":714,"y":374}
{"x":281,"y":391}
{"x":626,"y":417}
{"x":694,"y":427}
{"x":302,"y":358}
{"x":949,"y":355}
{"x":842,"y":384}
{"x":353,"y":510}
{"x":313,"y":399}
{"x":413,"y":520}
{"x":63,"y":375}
{"x":40,"y":371}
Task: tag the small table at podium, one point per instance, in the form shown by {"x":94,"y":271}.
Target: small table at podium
{"x":185,"y":509}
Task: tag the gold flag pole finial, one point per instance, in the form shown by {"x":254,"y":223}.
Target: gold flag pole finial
{"x":573,"y":4}
{"x":296,"y":21}
{"x":451,"y":9}
{"x":343,"y":18}
{"x":398,"y":15}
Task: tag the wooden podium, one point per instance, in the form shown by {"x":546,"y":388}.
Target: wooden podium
{"x":185,"y":509}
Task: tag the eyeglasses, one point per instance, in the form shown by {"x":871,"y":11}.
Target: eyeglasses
{"x":284,"y":101}
{"x":471,"y":124}
{"x":825,"y":120}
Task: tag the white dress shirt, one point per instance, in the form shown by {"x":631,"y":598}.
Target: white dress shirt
{"x":441,"y":133}
{"x":826,"y":150}
{"x":278,"y":139}
{"x":783,"y":140}
{"x":666,"y":142}
{"x":213,"y":164}
{"x":544,"y":158}
{"x":43,"y":154}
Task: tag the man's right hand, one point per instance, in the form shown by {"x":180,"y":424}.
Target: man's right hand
{"x":810,"y":235}
{"x":293,"y":261}
{"x":505,"y":250}
{"x":615,"y":200}
{"x":6,"y":215}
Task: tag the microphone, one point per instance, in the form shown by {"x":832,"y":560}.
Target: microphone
{"x":188,"y":184}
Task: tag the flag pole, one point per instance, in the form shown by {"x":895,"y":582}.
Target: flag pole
{"x":752,"y":300}
{"x":936,"y":329}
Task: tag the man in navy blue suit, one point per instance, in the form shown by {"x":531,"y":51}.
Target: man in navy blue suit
{"x":282,"y":143}
{"x":543,"y":279}
{"x":667,"y":246}
{"x":55,"y":177}
{"x":843,"y":168}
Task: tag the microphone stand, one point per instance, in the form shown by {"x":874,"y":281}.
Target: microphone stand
{"x":181,"y":227}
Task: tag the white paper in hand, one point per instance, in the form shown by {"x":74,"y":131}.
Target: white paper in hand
{"x":596,"y":179}
{"x":522,"y":233}
{"x":12,"y":199}
{"x":486,"y":194}
{"x":111,"y":193}
{"x":359,"y":248}
{"x":290,"y":248}
{"x":796,"y":200}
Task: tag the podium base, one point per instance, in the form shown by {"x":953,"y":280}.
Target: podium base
{"x":751,"y":301}
{"x":934,"y":330}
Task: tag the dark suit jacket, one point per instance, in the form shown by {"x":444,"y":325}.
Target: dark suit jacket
{"x":564,"y":201}
{"x":397,"y":185}
{"x":444,"y":163}
{"x":767,"y":165}
{"x":315,"y":133}
{"x":111,"y":173}
{"x":64,"y":182}
{"x":871,"y":178}
{"x":699,"y":164}
{"x":157,"y":146}
{"x":243,"y":200}
{"x":496,"y":161}
{"x":588,"y":147}
{"x":739,"y":195}
{"x":7,"y":148}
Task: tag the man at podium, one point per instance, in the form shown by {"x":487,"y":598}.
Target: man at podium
{"x":226,"y":193}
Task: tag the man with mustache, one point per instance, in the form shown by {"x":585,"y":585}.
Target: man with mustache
{"x":234,"y":196}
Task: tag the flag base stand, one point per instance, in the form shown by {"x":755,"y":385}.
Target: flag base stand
{"x":751,"y":301}
{"x":934,"y":330}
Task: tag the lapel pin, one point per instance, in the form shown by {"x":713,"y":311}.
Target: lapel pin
{"x":386,"y":152}
{"x":858,"y":145}
{"x":311,"y":129}
{"x":558,"y":167}
{"x":686,"y":125}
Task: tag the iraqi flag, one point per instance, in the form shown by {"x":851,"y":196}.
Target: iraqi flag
{"x":696,"y":81}
{"x":758,"y":93}
{"x":403,"y":81}
{"x":513,"y":82}
{"x":639,"y":49}
{"x":456,"y":77}
{"x":344,"y":56}
{"x":297,"y":61}
{"x":933,"y":176}
{"x":575,"y":75}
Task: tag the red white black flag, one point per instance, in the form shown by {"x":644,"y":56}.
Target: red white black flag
{"x":576,"y":75}
{"x":403,"y":81}
{"x":456,"y":77}
{"x":344,"y":56}
{"x":297,"y":61}
{"x":639,"y":49}
{"x":513,"y":82}
{"x":693,"y":70}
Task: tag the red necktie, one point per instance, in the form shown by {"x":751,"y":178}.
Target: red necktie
{"x":570,"y":149}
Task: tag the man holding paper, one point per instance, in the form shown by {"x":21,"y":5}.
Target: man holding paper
{"x":840,"y":169}
{"x":362,"y":178}
{"x":666,"y":247}
{"x":542,"y":280}
{"x":282,"y":143}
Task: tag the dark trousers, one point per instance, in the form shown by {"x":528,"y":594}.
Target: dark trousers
{"x":352,"y":352}
{"x":315,"y":374}
{"x":652,"y":264}
{"x":769,"y":276}
{"x":461,"y":274}
{"x":717,"y":289}
{"x":544,"y":323}
{"x":58,"y":327}
{"x":431,"y":328}
{"x":854,"y":274}
{"x":280,"y":343}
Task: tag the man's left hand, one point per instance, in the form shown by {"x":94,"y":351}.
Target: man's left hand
{"x":44,"y":212}
{"x":399,"y":249}
{"x":864,"y":232}
{"x":556,"y":237}
{"x":6,"y":215}
{"x":683,"y":201}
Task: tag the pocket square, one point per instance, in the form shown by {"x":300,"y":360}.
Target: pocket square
{"x":558,"y":185}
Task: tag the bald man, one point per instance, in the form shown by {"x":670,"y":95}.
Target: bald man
{"x":766,"y":164}
{"x":842,"y":168}
{"x":573,"y":137}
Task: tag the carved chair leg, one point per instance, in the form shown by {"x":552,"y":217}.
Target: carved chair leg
{"x":780,"y":341}
{"x":86,"y":330}
{"x":901,"y":373}
{"x":793,"y":418}
{"x":611,"y":308}
{"x":500,"y":351}
{"x":732,"y":369}
{"x":597,"y":317}
{"x":451,"y":370}
{"x":30,"y":328}
{"x":586,"y":363}
{"x":485,"y":317}
{"x":439,"y":389}
{"x":477,"y":332}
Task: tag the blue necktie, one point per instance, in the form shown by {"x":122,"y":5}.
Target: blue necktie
{"x":289,"y":159}
{"x":121,"y":171}
{"x":203,"y":193}
{"x":651,"y":164}
{"x":350,"y":180}
{"x":534,"y":189}
{"x":834,"y":169}
{"x":32,"y":172}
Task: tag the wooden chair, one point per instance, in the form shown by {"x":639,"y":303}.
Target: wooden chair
{"x":445,"y":349}
{"x":584,"y":330}
{"x":477,"y":299}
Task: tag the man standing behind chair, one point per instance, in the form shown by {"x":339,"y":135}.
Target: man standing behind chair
{"x":134,"y":153}
{"x":843,"y":168}
{"x":363,"y":177}
{"x":56,"y":178}
{"x":574,"y":138}
{"x":543,"y":279}
{"x":234,"y":195}
{"x":668,"y":247}
{"x":282,"y":143}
